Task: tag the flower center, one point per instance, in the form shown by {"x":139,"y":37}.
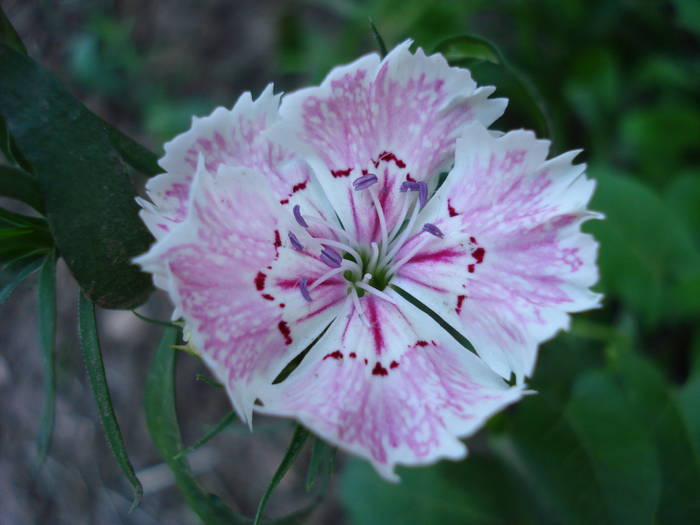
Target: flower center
{"x":368,"y":269}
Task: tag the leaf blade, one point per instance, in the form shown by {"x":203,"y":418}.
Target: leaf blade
{"x":47,"y":343}
{"x":92,"y":359}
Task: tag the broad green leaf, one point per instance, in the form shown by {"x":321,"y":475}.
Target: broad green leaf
{"x":295,"y":446}
{"x":644,"y":248}
{"x":477,"y":490}
{"x":161,"y":419}
{"x":88,"y":196}
{"x":588,"y":461}
{"x":137,"y":156}
{"x":19,"y":269}
{"x":655,"y":404}
{"x":683,"y":196}
{"x":211,"y":433}
{"x":18,"y":184}
{"x":92,"y":358}
{"x":47,"y":343}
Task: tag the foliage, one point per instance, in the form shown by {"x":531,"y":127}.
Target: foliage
{"x":613,"y":434}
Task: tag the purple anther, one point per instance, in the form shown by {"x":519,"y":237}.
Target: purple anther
{"x":408,"y":185}
{"x":304,"y":289}
{"x":364,"y":182}
{"x":431,"y":228}
{"x":295,"y":242}
{"x":298,"y":217}
{"x":331,"y":257}
{"x":422,"y":193}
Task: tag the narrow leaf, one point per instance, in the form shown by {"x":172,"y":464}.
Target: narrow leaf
{"x":161,"y":419}
{"x":92,"y":357}
{"x":153,"y":321}
{"x":378,"y":38}
{"x":21,"y":268}
{"x":296,"y":444}
{"x":467,"y":47}
{"x":47,"y":342}
{"x":318,"y":452}
{"x":208,"y":380}
{"x":212,"y":433}
{"x":18,"y":184}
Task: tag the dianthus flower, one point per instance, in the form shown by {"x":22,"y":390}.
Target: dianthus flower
{"x":288,"y":223}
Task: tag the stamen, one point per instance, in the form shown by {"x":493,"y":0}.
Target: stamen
{"x":304,"y":289}
{"x":431,"y":228}
{"x":364,"y":182}
{"x":334,"y":229}
{"x":295,"y":242}
{"x":358,"y":307}
{"x":401,"y":239}
{"x":374,"y":257}
{"x":418,"y":246}
{"x":341,"y":245}
{"x":382,"y":219}
{"x":331,"y":257}
{"x":371,"y":289}
{"x":297,"y":215}
{"x":420,"y":186}
{"x":346,"y":265}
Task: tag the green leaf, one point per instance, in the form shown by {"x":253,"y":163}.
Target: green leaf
{"x":9,"y":36}
{"x":212,"y":433}
{"x":161,"y":419}
{"x":208,"y":380}
{"x":47,"y":343}
{"x":644,"y":248}
{"x":92,"y":358}
{"x":295,"y":446}
{"x":655,"y":404}
{"x":472,"y":50}
{"x":18,"y":184}
{"x":588,"y":461}
{"x":379,"y":39}
{"x":468,"y":47}
{"x":477,"y":490}
{"x":153,"y":321}
{"x":319,"y":451}
{"x":88,"y":196}
{"x":20,"y":269}
{"x":137,"y":156}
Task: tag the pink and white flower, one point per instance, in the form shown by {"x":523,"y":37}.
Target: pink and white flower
{"x":284,"y":225}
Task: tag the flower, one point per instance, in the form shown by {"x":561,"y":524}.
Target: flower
{"x":281,"y":225}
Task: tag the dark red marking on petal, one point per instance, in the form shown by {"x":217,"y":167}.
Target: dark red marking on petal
{"x":278,"y":239}
{"x":379,"y":370}
{"x":299,"y":187}
{"x":282,"y":305}
{"x":284,"y":201}
{"x":393,"y":364}
{"x":421,"y":343}
{"x":470,"y":268}
{"x":335,"y":355}
{"x":352,"y":355}
{"x":365,"y":172}
{"x":285,"y":331}
{"x":341,"y":173}
{"x":268,"y":297}
{"x":460,"y":302}
{"x":451,"y":210}
{"x":260,"y":281}
{"x":366,"y":361}
{"x":409,"y":178}
{"x":388,"y":156}
{"x":478,"y":255}
{"x":472,"y":240}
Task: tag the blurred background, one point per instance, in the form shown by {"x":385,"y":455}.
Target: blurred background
{"x":614,"y":434}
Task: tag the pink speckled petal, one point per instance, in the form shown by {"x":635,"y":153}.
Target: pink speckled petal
{"x":520,"y":263}
{"x":398,"y":391}
{"x":397,"y":118}
{"x":235,"y":137}
{"x":233,"y":278}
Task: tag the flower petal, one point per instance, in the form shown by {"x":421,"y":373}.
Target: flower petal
{"x":520,"y":263}
{"x":228,"y":270}
{"x":235,"y":137}
{"x":398,"y":391}
{"x":397,"y":118}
